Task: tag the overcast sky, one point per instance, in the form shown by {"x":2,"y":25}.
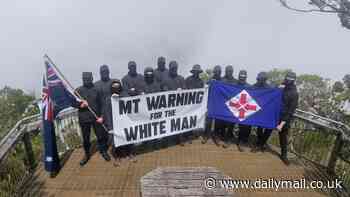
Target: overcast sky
{"x":81,"y":35}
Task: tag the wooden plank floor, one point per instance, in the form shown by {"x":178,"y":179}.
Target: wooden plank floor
{"x":100,"y":178}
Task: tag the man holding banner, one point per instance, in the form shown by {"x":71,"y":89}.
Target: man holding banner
{"x":245,"y":105}
{"x":153,"y":116}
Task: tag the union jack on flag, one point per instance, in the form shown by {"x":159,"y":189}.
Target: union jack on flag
{"x":57,"y":95}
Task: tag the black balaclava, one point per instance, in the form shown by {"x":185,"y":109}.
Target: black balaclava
{"x":261,"y":78}
{"x":88,"y":79}
{"x":161,"y":63}
{"x":173,"y":69}
{"x":132,"y":68}
{"x":290,"y":78}
{"x":104,"y":73}
{"x":242,"y":77}
{"x":217,"y":72}
{"x":149,"y":75}
{"x":229,"y":72}
{"x":116,"y":87}
{"x":196,"y":70}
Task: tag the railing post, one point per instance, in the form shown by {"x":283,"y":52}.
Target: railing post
{"x":335,"y":154}
{"x":29,"y":150}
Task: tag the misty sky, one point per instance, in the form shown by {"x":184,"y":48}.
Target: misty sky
{"x":81,"y":35}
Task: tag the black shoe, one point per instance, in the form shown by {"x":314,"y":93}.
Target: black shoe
{"x":255,"y":149}
{"x":53,"y":174}
{"x":204,"y":140}
{"x":240,"y":148}
{"x":285,"y":160}
{"x":225,"y":145}
{"x":84,"y":160}
{"x":106,"y":156}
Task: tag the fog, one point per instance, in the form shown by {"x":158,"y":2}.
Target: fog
{"x":82,"y":35}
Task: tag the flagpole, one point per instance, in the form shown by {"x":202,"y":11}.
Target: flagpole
{"x":76,"y":92}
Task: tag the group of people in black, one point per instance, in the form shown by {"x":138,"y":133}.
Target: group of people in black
{"x":95,"y":109}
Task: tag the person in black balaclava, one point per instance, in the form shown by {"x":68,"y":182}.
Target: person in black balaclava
{"x":228,"y":126}
{"x":150,"y":85}
{"x":133,"y":81}
{"x":290,"y":99}
{"x":228,"y":78}
{"x":194,"y":82}
{"x":244,"y":130}
{"x":263,"y":134}
{"x":219,"y":124}
{"x":92,"y":99}
{"x":174,"y":82}
{"x":103,"y":86}
{"x":161,"y":72}
{"x":117,"y":90}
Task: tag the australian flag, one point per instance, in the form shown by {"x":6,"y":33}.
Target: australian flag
{"x":56,"y":96}
{"x":245,"y":105}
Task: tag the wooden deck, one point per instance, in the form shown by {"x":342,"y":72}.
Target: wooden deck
{"x":100,"y":178}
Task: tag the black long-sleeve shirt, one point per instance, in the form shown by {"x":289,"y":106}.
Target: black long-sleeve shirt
{"x":290,"y":99}
{"x":93,"y":97}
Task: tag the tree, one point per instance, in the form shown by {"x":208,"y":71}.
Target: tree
{"x":13,"y":107}
{"x":339,"y":7}
{"x":338,"y":87}
{"x":276,"y":76}
{"x":346,"y":80}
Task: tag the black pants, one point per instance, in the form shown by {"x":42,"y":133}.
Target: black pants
{"x":100,"y":133}
{"x":219,"y":130}
{"x":244,"y":133}
{"x":228,"y":131}
{"x":207,"y":129}
{"x":263,"y":135}
{"x":283,"y":135}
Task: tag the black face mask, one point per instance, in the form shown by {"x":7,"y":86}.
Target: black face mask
{"x":161,"y":66}
{"x":104,"y":73}
{"x":261,"y":82}
{"x":116,"y":88}
{"x":87,"y":80}
{"x":149,"y":78}
{"x":173,"y":72}
{"x":132,"y":71}
{"x":195,"y":75}
{"x":217,"y":74}
{"x":288,"y":83}
{"x":229,"y":73}
{"x":242,"y":80}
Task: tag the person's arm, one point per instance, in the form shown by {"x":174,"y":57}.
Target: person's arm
{"x":291,"y":106}
{"x":77,"y":104}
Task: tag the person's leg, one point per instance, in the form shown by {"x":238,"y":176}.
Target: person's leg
{"x":85,"y":130}
{"x":283,"y":137}
{"x":207,"y":130}
{"x":265,"y":137}
{"x":243,"y":138}
{"x":101,"y":141}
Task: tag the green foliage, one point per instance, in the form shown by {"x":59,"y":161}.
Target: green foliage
{"x":14,"y":105}
{"x":276,"y":76}
{"x":338,"y":87}
{"x":346,"y":80}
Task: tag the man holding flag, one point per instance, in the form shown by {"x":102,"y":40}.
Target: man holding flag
{"x":92,"y":99}
{"x":57,"y":95}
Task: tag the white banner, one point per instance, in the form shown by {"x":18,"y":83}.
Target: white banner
{"x":152,"y":116}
